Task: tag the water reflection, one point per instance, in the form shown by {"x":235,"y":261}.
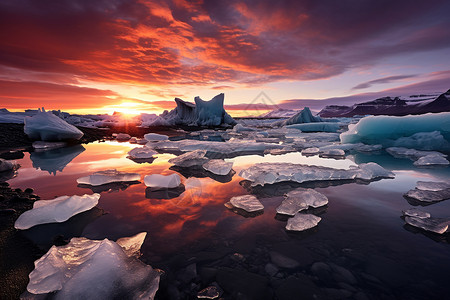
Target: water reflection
{"x":56,"y":159}
{"x":108,"y":187}
{"x":152,"y":193}
{"x":199,"y":172}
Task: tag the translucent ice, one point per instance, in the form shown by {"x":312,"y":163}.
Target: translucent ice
{"x":413,"y":212}
{"x":249,"y":203}
{"x":218,"y":166}
{"x":56,"y":211}
{"x":212,"y":113}
{"x":316,"y":127}
{"x":269,"y":173}
{"x":161,"y":181}
{"x":142,"y":153}
{"x":154,"y":137}
{"x":108,"y":176}
{"x":190,"y":159}
{"x":428,"y":196}
{"x":413,"y":154}
{"x":432,"y":186}
{"x":432,"y":160}
{"x":386,"y":130}
{"x":435,"y":225}
{"x":336,"y":153}
{"x":301,"y":222}
{"x":71,"y":270}
{"x":46,"y":126}
{"x":300,"y":199}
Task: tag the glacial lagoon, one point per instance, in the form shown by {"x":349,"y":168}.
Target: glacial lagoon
{"x":361,"y":249}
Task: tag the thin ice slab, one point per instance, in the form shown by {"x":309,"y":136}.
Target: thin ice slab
{"x":436,"y":225}
{"x":249,"y":203}
{"x":162,"y":182}
{"x":190,"y":159}
{"x":431,"y":161}
{"x":57,"y":210}
{"x":428,"y":191}
{"x":142,"y":153}
{"x":69,"y":271}
{"x":108,"y":176}
{"x":218,"y":166}
{"x":301,"y":222}
{"x":300,"y":199}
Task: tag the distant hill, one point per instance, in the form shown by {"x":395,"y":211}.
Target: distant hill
{"x":398,"y":106}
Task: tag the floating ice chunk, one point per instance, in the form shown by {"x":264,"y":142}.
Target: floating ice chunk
{"x":313,"y":136}
{"x":190,"y":159}
{"x":435,"y":225}
{"x":70,"y":271}
{"x":218,"y":166}
{"x":316,"y":127}
{"x":123,"y":137}
{"x":269,"y":173}
{"x":386,"y":130}
{"x":161,"y":181}
{"x":7,"y":165}
{"x":132,"y":245}
{"x":412,"y":154}
{"x":241,"y":128}
{"x":432,"y":160}
{"x":108,"y":176}
{"x":432,"y":186}
{"x":142,"y":153}
{"x":284,"y":150}
{"x":301,"y":222}
{"x":249,"y":203}
{"x":428,"y":196}
{"x":211,"y":292}
{"x":310,"y":151}
{"x":300,"y":199}
{"x":56,"y":211}
{"x":154,"y":137}
{"x":46,"y":126}
{"x":42,"y":146}
{"x":335,"y":153}
{"x":413,"y":212}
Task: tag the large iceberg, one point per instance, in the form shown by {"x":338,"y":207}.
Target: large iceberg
{"x":269,"y":173}
{"x":423,"y":132}
{"x":95,"y":269}
{"x":303,"y":116}
{"x":108,"y":176}
{"x":46,"y":126}
{"x":56,"y":211}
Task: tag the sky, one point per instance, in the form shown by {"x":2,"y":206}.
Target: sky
{"x":101,"y":56}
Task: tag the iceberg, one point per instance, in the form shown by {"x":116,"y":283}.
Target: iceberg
{"x":270,"y":173}
{"x":248,"y":203}
{"x":141,"y":153}
{"x":163,"y":182}
{"x":241,"y":128}
{"x":108,"y":176}
{"x":431,"y":160}
{"x":69,"y":271}
{"x":303,"y":116}
{"x":316,"y":127}
{"x":436,"y":225}
{"x":56,"y":211}
{"x":301,"y":222}
{"x":190,"y":159}
{"x":218,"y":166}
{"x":46,"y":126}
{"x":212,"y":113}
{"x":434,"y":129}
{"x":154,"y":137}
{"x":300,"y":199}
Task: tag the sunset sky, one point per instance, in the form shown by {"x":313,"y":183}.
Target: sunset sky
{"x":100,"y":56}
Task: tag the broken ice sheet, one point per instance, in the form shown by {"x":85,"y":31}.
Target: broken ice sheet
{"x":248,"y":203}
{"x":301,"y":222}
{"x":333,"y":153}
{"x":162,"y":181}
{"x":142,"y":153}
{"x":414,"y":212}
{"x":428,"y":191}
{"x":300,"y":199}
{"x":56,"y":210}
{"x":190,"y":159}
{"x":218,"y":166}
{"x":108,"y":176}
{"x":432,"y":185}
{"x":431,"y":160}
{"x":436,"y":225}
{"x":70,"y":270}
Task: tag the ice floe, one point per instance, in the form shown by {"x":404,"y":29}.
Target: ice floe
{"x":300,"y":199}
{"x":301,"y":222}
{"x":436,"y":225}
{"x":432,"y":160}
{"x":155,"y":137}
{"x":46,"y":126}
{"x":69,"y":271}
{"x":428,"y":191}
{"x":218,"y":166}
{"x":190,"y":159}
{"x":310,"y":151}
{"x":248,"y":203}
{"x":413,"y":154}
{"x":269,"y":173}
{"x":122,"y":137}
{"x":56,"y":210}
{"x":162,"y":181}
{"x":423,"y":132}
{"x":108,"y":176}
{"x":432,"y":185}
{"x":316,"y":127}
{"x":142,"y":153}
{"x":333,"y":153}
{"x":414,"y":212}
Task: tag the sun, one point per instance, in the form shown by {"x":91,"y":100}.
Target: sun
{"x":126,"y":108}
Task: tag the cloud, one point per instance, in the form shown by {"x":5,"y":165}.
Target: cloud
{"x":388,"y":79}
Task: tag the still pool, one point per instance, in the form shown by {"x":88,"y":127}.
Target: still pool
{"x":361,"y":249}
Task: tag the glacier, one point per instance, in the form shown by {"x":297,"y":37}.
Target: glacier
{"x":69,"y":271}
{"x":46,"y":126}
{"x":56,"y":210}
{"x":270,"y":173}
{"x":423,"y":132}
{"x":108,"y":176}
